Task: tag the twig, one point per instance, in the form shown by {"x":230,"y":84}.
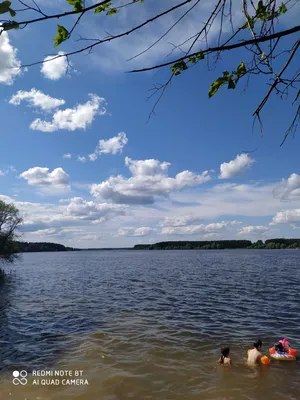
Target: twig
{"x":90,"y":47}
{"x":223,"y":48}
{"x":165,"y":34}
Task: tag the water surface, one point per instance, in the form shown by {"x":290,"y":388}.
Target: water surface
{"x":149,"y":324}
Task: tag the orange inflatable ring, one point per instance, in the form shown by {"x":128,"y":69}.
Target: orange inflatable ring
{"x":264,"y":359}
{"x":289,"y":356}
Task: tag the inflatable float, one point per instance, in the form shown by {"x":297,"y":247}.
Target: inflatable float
{"x":286,"y":356}
{"x":264,"y":359}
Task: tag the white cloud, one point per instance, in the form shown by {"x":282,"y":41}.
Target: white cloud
{"x":67,"y":155}
{"x":288,"y":188}
{"x":54,"y":69}
{"x":9,"y":64}
{"x":211,"y":236}
{"x":113,"y":145}
{"x":291,"y":217}
{"x":146,"y":167}
{"x":2,"y":173}
{"x":90,"y":237}
{"x":253,"y":230}
{"x":78,"y":217}
{"x":235,"y":167}
{"x":81,"y":159}
{"x":41,"y":177}
{"x":93,"y":157}
{"x":131,"y":231}
{"x":37,"y":99}
{"x":197,"y":229}
{"x":71,"y":119}
{"x":150,"y":178}
{"x":182,"y":220}
{"x":89,"y":210}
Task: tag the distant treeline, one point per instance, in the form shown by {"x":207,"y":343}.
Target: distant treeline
{"x":27,"y":247}
{"x":221,"y":244}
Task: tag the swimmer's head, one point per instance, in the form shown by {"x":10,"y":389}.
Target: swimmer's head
{"x":225,"y":351}
{"x":257,"y":344}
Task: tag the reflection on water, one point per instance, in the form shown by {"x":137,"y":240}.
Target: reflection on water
{"x":148,"y":325}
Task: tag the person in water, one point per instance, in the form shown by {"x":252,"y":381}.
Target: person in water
{"x":255,"y":355}
{"x":282,"y":346}
{"x":224,"y":359}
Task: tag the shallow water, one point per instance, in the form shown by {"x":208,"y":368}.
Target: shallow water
{"x":148,"y":325}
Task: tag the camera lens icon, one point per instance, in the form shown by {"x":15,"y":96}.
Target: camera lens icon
{"x":20,"y":377}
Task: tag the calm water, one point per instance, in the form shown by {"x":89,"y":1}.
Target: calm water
{"x":148,"y":325}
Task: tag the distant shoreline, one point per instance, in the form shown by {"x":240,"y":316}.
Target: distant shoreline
{"x":270,"y":244}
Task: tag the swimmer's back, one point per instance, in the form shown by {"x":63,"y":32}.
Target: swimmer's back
{"x":254,"y":356}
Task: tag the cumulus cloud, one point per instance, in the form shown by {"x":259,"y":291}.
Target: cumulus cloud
{"x":253,"y":230}
{"x":131,"y":231}
{"x":2,"y":173}
{"x":36,"y":99}
{"x":78,"y":217}
{"x":42,"y":177}
{"x":197,"y":229}
{"x":113,"y":145}
{"x":9,"y":64}
{"x":291,"y":217}
{"x":79,"y":117}
{"x":235,"y":167}
{"x":149,"y":179}
{"x":288,"y":188}
{"x":89,"y":210}
{"x":146,"y":167}
{"x":81,"y":159}
{"x":67,"y":155}
{"x":56,"y":68}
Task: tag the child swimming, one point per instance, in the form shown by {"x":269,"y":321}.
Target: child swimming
{"x":255,"y":355}
{"x":282,"y":346}
{"x":224,"y":359}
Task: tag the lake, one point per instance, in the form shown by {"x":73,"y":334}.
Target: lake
{"x":149,"y":324}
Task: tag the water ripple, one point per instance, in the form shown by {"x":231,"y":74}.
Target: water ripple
{"x":148,"y":325}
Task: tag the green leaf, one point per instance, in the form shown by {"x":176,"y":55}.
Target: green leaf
{"x":241,"y":70}
{"x":231,"y":84}
{"x":9,"y":25}
{"x":192,"y":60}
{"x":5,"y":7}
{"x":112,"y":11}
{"x":62,"y":35}
{"x":260,"y":6}
{"x":178,"y":67}
{"x":101,"y":8}
{"x":282,"y":9}
{"x":77,"y":4}
{"x":215,"y":86}
{"x":200,"y":56}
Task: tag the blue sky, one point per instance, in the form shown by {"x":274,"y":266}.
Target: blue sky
{"x":86,"y":169}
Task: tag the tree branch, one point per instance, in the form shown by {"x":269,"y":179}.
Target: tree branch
{"x":90,"y":47}
{"x":223,"y":48}
{"x":277,"y":80}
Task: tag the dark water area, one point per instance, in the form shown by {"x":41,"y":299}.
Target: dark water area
{"x":149,"y":324}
